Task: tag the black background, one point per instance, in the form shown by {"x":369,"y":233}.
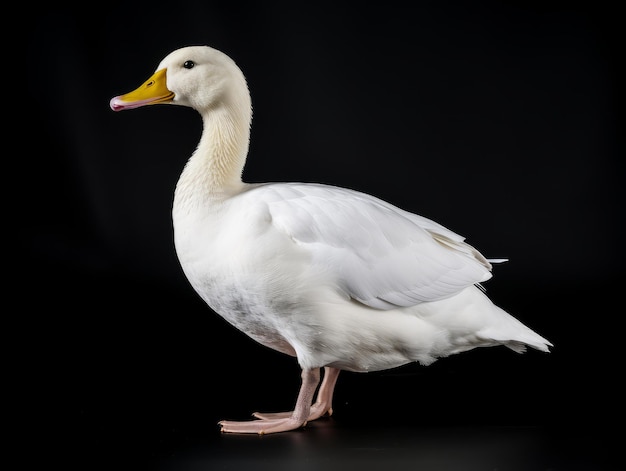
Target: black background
{"x":497,"y":119}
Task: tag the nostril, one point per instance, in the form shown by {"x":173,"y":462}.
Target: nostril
{"x":150,"y":83}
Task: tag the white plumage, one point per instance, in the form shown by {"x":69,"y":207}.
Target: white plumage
{"x":338,"y":278}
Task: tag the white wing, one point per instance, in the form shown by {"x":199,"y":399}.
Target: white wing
{"x":380,"y":255}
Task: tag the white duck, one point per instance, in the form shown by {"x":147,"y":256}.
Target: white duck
{"x":335,"y":277}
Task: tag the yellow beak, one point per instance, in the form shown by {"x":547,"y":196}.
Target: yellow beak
{"x":152,"y":91}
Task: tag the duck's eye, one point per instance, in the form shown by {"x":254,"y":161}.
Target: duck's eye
{"x":189,"y":64}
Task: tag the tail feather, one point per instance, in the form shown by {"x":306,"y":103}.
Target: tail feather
{"x":520,"y":341}
{"x":515,"y":335}
{"x":520,"y":346}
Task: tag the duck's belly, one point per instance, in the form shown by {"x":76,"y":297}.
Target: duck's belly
{"x":248,"y":309}
{"x":317,"y":324}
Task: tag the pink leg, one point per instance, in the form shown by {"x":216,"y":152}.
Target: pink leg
{"x":298,"y":418}
{"x":323,"y":405}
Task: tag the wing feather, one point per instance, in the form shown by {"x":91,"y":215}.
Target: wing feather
{"x":381,"y":255}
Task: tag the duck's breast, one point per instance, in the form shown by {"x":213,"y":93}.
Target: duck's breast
{"x":245,"y":269}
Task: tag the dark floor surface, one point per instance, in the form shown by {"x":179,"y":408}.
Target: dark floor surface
{"x":330,"y":444}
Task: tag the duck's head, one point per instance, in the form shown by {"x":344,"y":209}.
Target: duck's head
{"x":200,"y":77}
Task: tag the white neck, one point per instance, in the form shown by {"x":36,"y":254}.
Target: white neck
{"x":214,"y":170}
